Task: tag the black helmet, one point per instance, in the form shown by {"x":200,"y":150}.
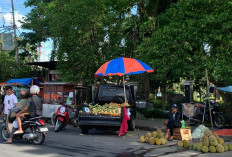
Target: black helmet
{"x":8,"y":87}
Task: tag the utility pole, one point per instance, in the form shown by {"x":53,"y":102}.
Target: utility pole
{"x":15,"y":37}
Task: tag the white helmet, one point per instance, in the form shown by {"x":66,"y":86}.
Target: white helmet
{"x":34,"y":89}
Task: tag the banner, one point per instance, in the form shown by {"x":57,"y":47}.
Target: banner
{"x":7,"y":42}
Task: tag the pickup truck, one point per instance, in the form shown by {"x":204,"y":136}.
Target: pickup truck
{"x":107,"y":94}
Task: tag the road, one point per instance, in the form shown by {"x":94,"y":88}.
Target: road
{"x":70,"y":142}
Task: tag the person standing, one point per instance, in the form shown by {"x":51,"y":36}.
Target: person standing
{"x":10,"y":101}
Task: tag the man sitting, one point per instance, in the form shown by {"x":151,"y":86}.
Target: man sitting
{"x":173,"y":121}
{"x":34,"y":106}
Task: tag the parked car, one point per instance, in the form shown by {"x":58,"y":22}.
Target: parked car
{"x":107,"y":94}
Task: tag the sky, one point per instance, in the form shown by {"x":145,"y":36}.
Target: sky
{"x":20,"y":12}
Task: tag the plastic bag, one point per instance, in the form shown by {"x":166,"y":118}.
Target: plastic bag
{"x":199,"y":131}
{"x":15,"y":124}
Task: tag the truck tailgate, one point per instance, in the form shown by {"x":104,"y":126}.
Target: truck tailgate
{"x":99,"y":120}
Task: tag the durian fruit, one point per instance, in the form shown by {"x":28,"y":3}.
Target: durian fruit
{"x":186,"y":144}
{"x":220,"y":148}
{"x":225,"y":147}
{"x":205,"y":149}
{"x":220,"y":141}
{"x":166,"y":140}
{"x":147,"y":139}
{"x":217,"y":137}
{"x":152,"y":140}
{"x":160,"y":134}
{"x":199,"y":146}
{"x":148,"y":135}
{"x":162,"y":141}
{"x":229,"y":147}
{"x":142,"y":139}
{"x":207,"y":133}
{"x":154,"y":134}
{"x":180,"y":144}
{"x":158,"y":141}
{"x":205,"y":140}
{"x":195,"y":146}
{"x":212,"y":149}
{"x":212,"y":140}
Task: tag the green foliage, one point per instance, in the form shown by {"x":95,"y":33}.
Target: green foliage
{"x":88,"y":33}
{"x":176,"y":47}
{"x":152,"y":113}
{"x":9,"y":70}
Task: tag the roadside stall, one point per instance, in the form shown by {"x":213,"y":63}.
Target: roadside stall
{"x":55,"y":94}
{"x":18,"y":84}
{"x":59,"y":93}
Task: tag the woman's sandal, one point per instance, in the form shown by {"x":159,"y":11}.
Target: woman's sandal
{"x":7,"y":142}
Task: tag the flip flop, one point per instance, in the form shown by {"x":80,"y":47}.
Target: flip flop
{"x":18,"y":132}
{"x":7,"y":142}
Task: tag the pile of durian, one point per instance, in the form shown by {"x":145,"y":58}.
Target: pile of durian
{"x":154,"y":138}
{"x":209,"y":143}
{"x":184,"y":144}
{"x":111,"y":109}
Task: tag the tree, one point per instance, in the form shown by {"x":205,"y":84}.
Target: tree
{"x":88,"y":33}
{"x":176,"y":47}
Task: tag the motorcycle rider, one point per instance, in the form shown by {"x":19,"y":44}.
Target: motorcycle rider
{"x":34,"y":106}
{"x":173,"y":121}
{"x":23,"y":96}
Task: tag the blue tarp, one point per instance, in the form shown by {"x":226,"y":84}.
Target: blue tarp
{"x":225,"y":89}
{"x":25,"y":81}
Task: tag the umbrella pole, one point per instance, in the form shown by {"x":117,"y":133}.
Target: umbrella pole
{"x":124,"y":88}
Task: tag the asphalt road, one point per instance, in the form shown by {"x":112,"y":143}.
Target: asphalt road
{"x":70,"y":142}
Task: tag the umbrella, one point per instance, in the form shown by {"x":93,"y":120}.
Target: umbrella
{"x":123,"y":66}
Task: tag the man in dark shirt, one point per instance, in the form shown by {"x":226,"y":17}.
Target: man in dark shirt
{"x":173,"y":121}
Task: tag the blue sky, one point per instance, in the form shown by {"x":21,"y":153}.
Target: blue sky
{"x":20,"y":12}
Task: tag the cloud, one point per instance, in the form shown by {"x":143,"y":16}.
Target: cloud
{"x":8,"y":18}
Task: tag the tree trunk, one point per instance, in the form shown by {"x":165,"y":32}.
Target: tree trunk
{"x":144,"y":84}
{"x":164,"y":93}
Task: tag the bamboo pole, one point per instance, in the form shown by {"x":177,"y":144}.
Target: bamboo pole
{"x":207,"y":93}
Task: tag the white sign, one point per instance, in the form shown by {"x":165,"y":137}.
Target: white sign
{"x":7,"y":42}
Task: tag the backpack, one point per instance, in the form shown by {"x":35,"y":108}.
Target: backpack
{"x":35,"y":109}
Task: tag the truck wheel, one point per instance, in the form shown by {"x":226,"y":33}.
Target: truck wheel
{"x":84,"y":130}
{"x":131,"y":124}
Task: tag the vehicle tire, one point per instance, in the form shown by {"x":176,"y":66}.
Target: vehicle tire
{"x":5,"y":134}
{"x":131,"y":124}
{"x":53,"y":120}
{"x":58,"y":125}
{"x":40,"y":138}
{"x":219,"y":120}
{"x":84,"y":130}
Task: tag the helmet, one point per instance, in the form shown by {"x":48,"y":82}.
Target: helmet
{"x":34,"y":89}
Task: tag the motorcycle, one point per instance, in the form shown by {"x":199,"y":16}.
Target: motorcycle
{"x":34,"y":130}
{"x":65,"y":114}
{"x":202,"y":114}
